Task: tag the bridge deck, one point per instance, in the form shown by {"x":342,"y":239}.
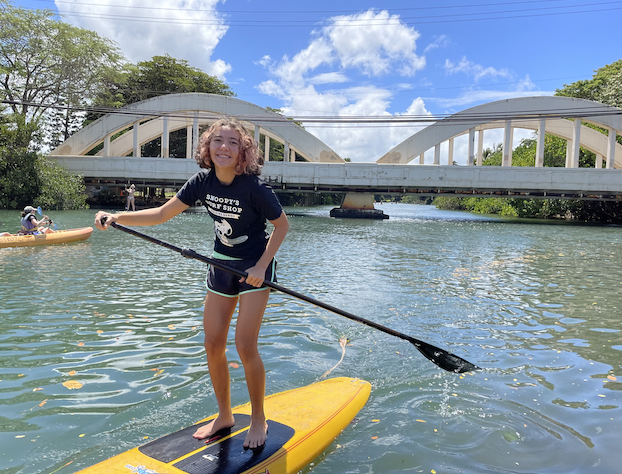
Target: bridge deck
{"x":572,"y":183}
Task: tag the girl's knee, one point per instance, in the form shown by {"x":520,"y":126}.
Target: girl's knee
{"x":247,"y":348}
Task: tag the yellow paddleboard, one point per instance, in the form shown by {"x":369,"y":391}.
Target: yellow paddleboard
{"x":301,"y":424}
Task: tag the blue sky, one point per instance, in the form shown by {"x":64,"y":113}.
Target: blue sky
{"x":372,"y":58}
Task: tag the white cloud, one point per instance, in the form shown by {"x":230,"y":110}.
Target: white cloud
{"x":476,"y":70}
{"x":329,"y":78}
{"x":383,"y":46}
{"x":523,"y":88}
{"x":441,"y":41}
{"x":184,"y":29}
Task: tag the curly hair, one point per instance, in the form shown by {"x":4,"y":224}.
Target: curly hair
{"x":250,"y":160}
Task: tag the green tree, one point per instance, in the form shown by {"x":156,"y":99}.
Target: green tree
{"x":60,"y":190}
{"x":46,"y":65}
{"x":160,"y":75}
{"x":604,"y":87}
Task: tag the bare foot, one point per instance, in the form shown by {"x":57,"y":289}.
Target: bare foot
{"x":256,"y":436}
{"x":214,"y":427}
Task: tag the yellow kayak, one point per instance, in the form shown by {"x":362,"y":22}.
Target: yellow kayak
{"x":57,"y":237}
{"x":301,"y":424}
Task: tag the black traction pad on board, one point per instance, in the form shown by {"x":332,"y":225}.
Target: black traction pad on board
{"x":229,"y":455}
{"x":178,"y":444}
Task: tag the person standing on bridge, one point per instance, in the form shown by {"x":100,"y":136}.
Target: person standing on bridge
{"x":240,"y":204}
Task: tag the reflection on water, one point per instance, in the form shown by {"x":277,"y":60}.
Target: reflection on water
{"x":536,"y":305}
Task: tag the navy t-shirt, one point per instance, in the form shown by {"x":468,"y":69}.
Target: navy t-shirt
{"x":239,"y":210}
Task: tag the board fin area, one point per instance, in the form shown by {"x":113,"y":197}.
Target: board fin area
{"x":178,"y":444}
{"x":229,"y":455}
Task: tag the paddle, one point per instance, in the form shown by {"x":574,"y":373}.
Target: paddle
{"x":445,"y":360}
{"x":40,"y":212}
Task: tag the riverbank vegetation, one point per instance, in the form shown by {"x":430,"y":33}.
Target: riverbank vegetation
{"x":605,"y":87}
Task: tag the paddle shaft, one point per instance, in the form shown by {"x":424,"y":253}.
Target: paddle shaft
{"x":433,"y":353}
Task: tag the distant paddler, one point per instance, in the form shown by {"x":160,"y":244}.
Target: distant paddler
{"x":30,"y":224}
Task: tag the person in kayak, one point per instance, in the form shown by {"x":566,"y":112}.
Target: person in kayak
{"x":240,"y":203}
{"x":30,"y":224}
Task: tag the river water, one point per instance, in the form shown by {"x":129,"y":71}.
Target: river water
{"x":537,"y":306}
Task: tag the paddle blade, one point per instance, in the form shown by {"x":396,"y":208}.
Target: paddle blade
{"x":39,"y":211}
{"x":445,"y":360}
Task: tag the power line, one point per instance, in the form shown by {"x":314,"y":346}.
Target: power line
{"x":284,"y":11}
{"x":410,"y":21}
{"x":446,"y":119}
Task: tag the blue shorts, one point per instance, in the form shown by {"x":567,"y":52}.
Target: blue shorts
{"x":227,"y":284}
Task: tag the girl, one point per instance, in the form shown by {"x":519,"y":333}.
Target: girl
{"x":239,"y":202}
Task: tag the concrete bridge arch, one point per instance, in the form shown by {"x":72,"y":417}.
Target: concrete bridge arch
{"x":563,"y":117}
{"x":158,"y":117}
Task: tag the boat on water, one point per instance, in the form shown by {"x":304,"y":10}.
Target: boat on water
{"x":57,"y":237}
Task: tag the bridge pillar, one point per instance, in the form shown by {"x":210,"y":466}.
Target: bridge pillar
{"x":107,"y":146}
{"x":471,"y":147}
{"x":189,"y":141}
{"x":195,"y":136}
{"x":450,"y":152}
{"x":267,"y":148}
{"x":508,"y":138}
{"x":358,"y":206}
{"x":165,"y":142}
{"x":611,"y":148}
{"x":437,"y":154}
{"x":422,"y":159}
{"x":576,"y":143}
{"x":136,"y":139}
{"x":480,"y":148}
{"x":540,"y":143}
{"x":599,"y":161}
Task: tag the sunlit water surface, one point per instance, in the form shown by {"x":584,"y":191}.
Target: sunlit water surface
{"x":537,"y":306}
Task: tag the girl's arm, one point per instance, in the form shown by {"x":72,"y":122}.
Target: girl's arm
{"x":153,"y":216}
{"x":257,"y":273}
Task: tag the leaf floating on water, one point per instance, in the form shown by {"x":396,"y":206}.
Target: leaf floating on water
{"x":72,"y":384}
{"x":171,"y":326}
{"x":611,"y":377}
{"x":159,"y":372}
{"x":421,"y":421}
{"x":80,"y":343}
{"x":72,"y":372}
{"x":37,"y":389}
{"x":20,"y":436}
{"x":43,"y":403}
{"x":511,"y":437}
{"x":99,"y":331}
{"x":82,"y":435}
{"x":375,"y":421}
{"x":374,"y":437}
{"x":234,"y":365}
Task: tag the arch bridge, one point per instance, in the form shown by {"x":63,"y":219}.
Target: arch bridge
{"x":108,"y":151}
